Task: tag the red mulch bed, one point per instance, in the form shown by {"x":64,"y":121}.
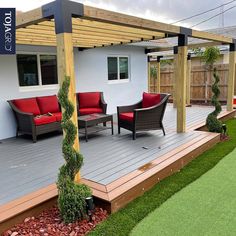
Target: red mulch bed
{"x":49,"y":223}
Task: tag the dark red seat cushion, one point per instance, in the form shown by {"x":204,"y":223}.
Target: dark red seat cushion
{"x":48,"y":104}
{"x":150,"y":99}
{"x":43,"y":120}
{"x":127,"y":116}
{"x":28,"y":105}
{"x":58,"y":116}
{"x":89,"y":100}
{"x":87,"y":111}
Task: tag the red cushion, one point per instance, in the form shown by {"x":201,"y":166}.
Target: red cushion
{"x":48,"y":104}
{"x":127,"y":116}
{"x":42,"y":120}
{"x":88,"y":100}
{"x":234,"y":101}
{"x":28,"y":105}
{"x":87,"y":111}
{"x":58,"y":116}
{"x":150,"y":99}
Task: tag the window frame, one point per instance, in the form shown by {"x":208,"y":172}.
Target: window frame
{"x":118,"y":80}
{"x":40,"y":86}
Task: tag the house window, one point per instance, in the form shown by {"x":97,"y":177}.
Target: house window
{"x":27,"y":70}
{"x":118,"y":68}
{"x":48,"y":64}
{"x":37,"y":70}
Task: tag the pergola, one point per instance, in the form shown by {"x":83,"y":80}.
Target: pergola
{"x":66,"y":24}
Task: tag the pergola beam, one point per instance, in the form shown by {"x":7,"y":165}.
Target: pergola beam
{"x":210,"y":36}
{"x":29,"y":18}
{"x":115,"y":18}
{"x":190,"y":46}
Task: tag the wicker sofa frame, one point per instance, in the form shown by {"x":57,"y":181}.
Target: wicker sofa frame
{"x":144,"y":118}
{"x":25,"y":124}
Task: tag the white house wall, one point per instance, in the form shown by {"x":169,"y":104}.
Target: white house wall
{"x":91,"y":75}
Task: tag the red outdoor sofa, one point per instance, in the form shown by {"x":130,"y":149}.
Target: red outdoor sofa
{"x":37,"y":115}
{"x":40,"y":115}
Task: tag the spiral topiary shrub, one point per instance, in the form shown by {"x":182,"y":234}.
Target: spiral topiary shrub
{"x":213,"y":124}
{"x":71,"y":195}
{"x":210,"y":56}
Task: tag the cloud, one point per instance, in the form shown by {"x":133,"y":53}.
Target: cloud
{"x":167,"y":11}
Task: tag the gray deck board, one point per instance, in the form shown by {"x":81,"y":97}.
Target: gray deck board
{"x":26,"y":167}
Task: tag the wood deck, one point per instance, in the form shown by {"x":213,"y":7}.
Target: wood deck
{"x":117,"y":168}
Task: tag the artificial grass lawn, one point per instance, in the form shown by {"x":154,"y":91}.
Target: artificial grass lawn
{"x":205,"y":207}
{"x":122,"y":222}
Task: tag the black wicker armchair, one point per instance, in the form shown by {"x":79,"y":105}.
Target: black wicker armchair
{"x":135,"y":118}
{"x":91,"y":102}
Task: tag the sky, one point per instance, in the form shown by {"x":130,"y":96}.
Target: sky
{"x":167,"y":11}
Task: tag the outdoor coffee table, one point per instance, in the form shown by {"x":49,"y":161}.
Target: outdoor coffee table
{"x":89,"y":123}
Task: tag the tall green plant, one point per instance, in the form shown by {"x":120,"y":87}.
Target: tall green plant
{"x":153,"y":69}
{"x":210,"y":56}
{"x":71,"y":195}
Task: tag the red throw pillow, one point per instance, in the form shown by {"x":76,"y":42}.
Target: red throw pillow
{"x":89,"y":100}
{"x":150,"y":99}
{"x":43,"y":120}
{"x":28,"y":105}
{"x":48,"y":104}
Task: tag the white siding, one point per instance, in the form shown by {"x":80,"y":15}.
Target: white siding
{"x":91,"y":75}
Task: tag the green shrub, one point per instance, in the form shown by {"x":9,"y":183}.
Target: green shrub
{"x":71,"y":195}
{"x":213,"y":124}
{"x":210,"y":56}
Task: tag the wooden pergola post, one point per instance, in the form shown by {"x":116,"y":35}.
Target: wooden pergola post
{"x":181,"y":78}
{"x":149,"y":73}
{"x":175,"y":76}
{"x":158,"y":86}
{"x":65,"y":61}
{"x":231,"y":78}
{"x":188,"y":81}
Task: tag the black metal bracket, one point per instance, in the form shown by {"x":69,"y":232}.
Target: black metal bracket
{"x":183,"y":36}
{"x":149,"y":58}
{"x":232,"y":46}
{"x":147,"y":51}
{"x":159,"y":58}
{"x":189,"y":57}
{"x":62,"y":11}
{"x":175,"y":49}
{"x":170,"y":35}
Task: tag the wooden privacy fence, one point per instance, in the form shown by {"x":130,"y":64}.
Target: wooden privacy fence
{"x":201,"y":82}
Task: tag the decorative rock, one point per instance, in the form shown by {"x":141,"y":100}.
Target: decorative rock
{"x":27,"y":219}
{"x":72,"y":233}
{"x":14,"y":234}
{"x":48,"y":223}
